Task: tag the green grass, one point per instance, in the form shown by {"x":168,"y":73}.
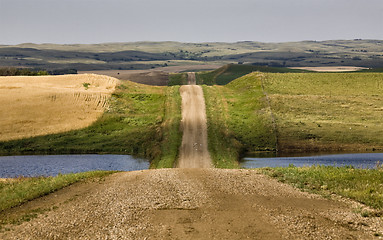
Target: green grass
{"x":249,"y":115}
{"x":228,"y":73}
{"x":207,"y":78}
{"x":327,"y":111}
{"x":131,"y":125}
{"x":362,"y":185}
{"x":306,"y":112}
{"x":172,"y":135}
{"x":224,"y":149}
{"x":177,"y":79}
{"x":239,"y":120}
{"x":21,"y":190}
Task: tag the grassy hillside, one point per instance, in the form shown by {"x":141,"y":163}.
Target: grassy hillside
{"x":312,"y":111}
{"x":134,"y":124}
{"x":327,"y":111}
{"x":146,"y":55}
{"x":294,"y":112}
{"x":228,"y":73}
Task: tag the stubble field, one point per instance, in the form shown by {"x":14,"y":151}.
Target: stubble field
{"x":33,"y":106}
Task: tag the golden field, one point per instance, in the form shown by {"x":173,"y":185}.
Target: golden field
{"x":32,"y":106}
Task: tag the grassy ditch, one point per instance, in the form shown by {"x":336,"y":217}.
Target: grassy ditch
{"x":326,"y":111}
{"x":362,"y":185}
{"x":15,"y":192}
{"x":133,"y":125}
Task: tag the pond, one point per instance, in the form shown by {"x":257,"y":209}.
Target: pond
{"x":357,"y":160}
{"x":52,"y":165}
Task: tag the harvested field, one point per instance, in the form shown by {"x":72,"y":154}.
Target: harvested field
{"x":32,"y":106}
{"x":331,"y":69}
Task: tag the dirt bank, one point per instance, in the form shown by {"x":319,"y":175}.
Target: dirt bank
{"x":193,"y":151}
{"x":191,"y":204}
{"x":32,"y":106}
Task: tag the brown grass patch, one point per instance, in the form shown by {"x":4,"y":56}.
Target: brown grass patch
{"x":33,"y":106}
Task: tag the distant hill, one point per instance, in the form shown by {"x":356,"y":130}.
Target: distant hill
{"x":146,"y":55}
{"x":228,"y":73}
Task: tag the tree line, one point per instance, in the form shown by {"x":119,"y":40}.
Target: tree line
{"x":12,"y":71}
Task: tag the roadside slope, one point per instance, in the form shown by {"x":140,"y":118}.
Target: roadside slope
{"x":192,"y":204}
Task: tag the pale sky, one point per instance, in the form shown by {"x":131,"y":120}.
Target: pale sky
{"x":98,"y":21}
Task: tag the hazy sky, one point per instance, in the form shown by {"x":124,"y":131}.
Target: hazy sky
{"x":97,"y":21}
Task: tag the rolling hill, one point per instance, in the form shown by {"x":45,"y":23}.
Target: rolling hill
{"x":146,"y":55}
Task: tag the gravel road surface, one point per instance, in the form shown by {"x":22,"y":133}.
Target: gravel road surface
{"x":193,"y":151}
{"x":191,"y":204}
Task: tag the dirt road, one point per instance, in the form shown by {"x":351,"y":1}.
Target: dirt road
{"x":191,"y":204}
{"x":191,"y":78}
{"x":193,"y":151}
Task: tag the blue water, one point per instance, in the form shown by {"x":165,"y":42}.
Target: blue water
{"x":52,"y":165}
{"x":357,"y":160}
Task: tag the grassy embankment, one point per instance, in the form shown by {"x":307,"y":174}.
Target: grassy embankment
{"x":326,"y":111}
{"x":362,"y":185}
{"x":312,"y":112}
{"x":238,"y":121}
{"x":141,"y":121}
{"x":178,"y":79}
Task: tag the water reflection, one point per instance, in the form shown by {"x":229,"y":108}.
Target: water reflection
{"x":357,"y":160}
{"x":51,"y":165}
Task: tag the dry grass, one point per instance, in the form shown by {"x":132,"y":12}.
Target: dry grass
{"x":32,"y":106}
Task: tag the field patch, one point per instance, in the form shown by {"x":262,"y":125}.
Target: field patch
{"x":33,"y":106}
